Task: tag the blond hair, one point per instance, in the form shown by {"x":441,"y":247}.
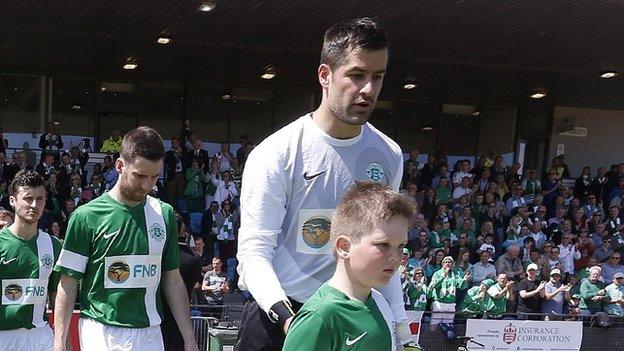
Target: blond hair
{"x":365,"y":205}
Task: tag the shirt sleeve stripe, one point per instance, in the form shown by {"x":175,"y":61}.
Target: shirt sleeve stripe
{"x":72,"y":260}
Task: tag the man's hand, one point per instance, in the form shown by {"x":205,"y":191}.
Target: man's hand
{"x":287,"y":324}
{"x":541,"y":286}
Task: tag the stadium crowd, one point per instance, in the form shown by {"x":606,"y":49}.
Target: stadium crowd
{"x":487,"y":241}
{"x":490,"y":240}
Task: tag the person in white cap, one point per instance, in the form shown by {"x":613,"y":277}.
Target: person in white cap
{"x":615,"y":293}
{"x":529,"y":294}
{"x":554,"y":296}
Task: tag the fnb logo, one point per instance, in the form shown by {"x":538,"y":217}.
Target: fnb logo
{"x":35,"y":291}
{"x":142,"y":270}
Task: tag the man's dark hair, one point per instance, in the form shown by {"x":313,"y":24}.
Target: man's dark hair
{"x":347,"y":36}
{"x":142,"y":142}
{"x":30,"y":179}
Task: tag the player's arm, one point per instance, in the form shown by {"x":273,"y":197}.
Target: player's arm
{"x":70,"y":266}
{"x":175,"y":293}
{"x":309,"y":332}
{"x":63,"y":309}
{"x":263,"y":208}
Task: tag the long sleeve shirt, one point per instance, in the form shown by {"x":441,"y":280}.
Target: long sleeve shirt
{"x":567,"y":255}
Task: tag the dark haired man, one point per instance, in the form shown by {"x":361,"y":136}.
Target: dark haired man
{"x":297,"y":176}
{"x":123,"y":246}
{"x":174,"y":172}
{"x":27,"y":256}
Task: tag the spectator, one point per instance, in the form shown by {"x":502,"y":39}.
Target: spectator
{"x":3,"y":165}
{"x":241,"y":155}
{"x":18,"y":164}
{"x":417,"y":291}
{"x":615,"y":296}
{"x":477,"y":300}
{"x":413,"y":156}
{"x":79,"y":159}
{"x":554,"y":295}
{"x":602,"y":253}
{"x":537,"y":234}
{"x":236,"y":171}
{"x":516,"y":200}
{"x":193,"y":191}
{"x":225,"y":157}
{"x":174,"y":172}
{"x":198,"y":153}
{"x":186,"y":135}
{"x":443,"y":288}
{"x":112,"y":145}
{"x":591,"y":207}
{"x":109,"y":172}
{"x":226,"y":189}
{"x":529,"y":290}
{"x":204,"y":252}
{"x":4,"y":143}
{"x":482,"y":270}
{"x":464,"y":171}
{"x":612,"y":266}
{"x":444,"y":193}
{"x":531,"y":185}
{"x":51,"y":141}
{"x":550,"y":188}
{"x":416,"y":260}
{"x":592,"y":293}
{"x":55,"y":229}
{"x":428,"y":171}
{"x":613,"y":222}
{"x":409,"y":174}
{"x":46,"y":167}
{"x":464,"y":188}
{"x":510,"y":264}
{"x":553,"y":260}
{"x":211,"y":223}
{"x":501,"y":294}
{"x":568,"y":252}
{"x":215,"y":283}
{"x":435,"y":263}
{"x":442,"y":173}
{"x":536,"y":258}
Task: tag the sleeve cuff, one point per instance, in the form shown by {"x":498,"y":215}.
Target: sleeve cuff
{"x":68,"y":272}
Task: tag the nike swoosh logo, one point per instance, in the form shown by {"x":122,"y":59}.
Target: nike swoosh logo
{"x":310,"y":177}
{"x":5,"y":261}
{"x":110,"y":235}
{"x":350,"y":342}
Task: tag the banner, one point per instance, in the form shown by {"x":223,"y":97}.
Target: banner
{"x":414,"y":319}
{"x":524,"y":335}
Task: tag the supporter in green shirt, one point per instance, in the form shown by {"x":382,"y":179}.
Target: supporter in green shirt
{"x":592,"y":293}
{"x":477,"y":300}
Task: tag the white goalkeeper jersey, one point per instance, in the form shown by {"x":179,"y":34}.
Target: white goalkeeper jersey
{"x":292,"y":183}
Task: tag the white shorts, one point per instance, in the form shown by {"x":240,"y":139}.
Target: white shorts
{"x":36,"y":339}
{"x":95,"y":336}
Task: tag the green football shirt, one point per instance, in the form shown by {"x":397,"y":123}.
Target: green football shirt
{"x":27,"y":278}
{"x":119,"y":252}
{"x":331,"y":321}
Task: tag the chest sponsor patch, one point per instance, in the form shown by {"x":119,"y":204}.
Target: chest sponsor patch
{"x":314,"y":235}
{"x":136,"y":271}
{"x":376,"y":172}
{"x":29,"y":291}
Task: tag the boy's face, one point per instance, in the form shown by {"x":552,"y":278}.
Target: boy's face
{"x":373,"y":260}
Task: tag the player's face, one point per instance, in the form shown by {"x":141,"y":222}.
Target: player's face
{"x":377,"y":256}
{"x":137,"y":178}
{"x":353,"y":88}
{"x":29,"y":203}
